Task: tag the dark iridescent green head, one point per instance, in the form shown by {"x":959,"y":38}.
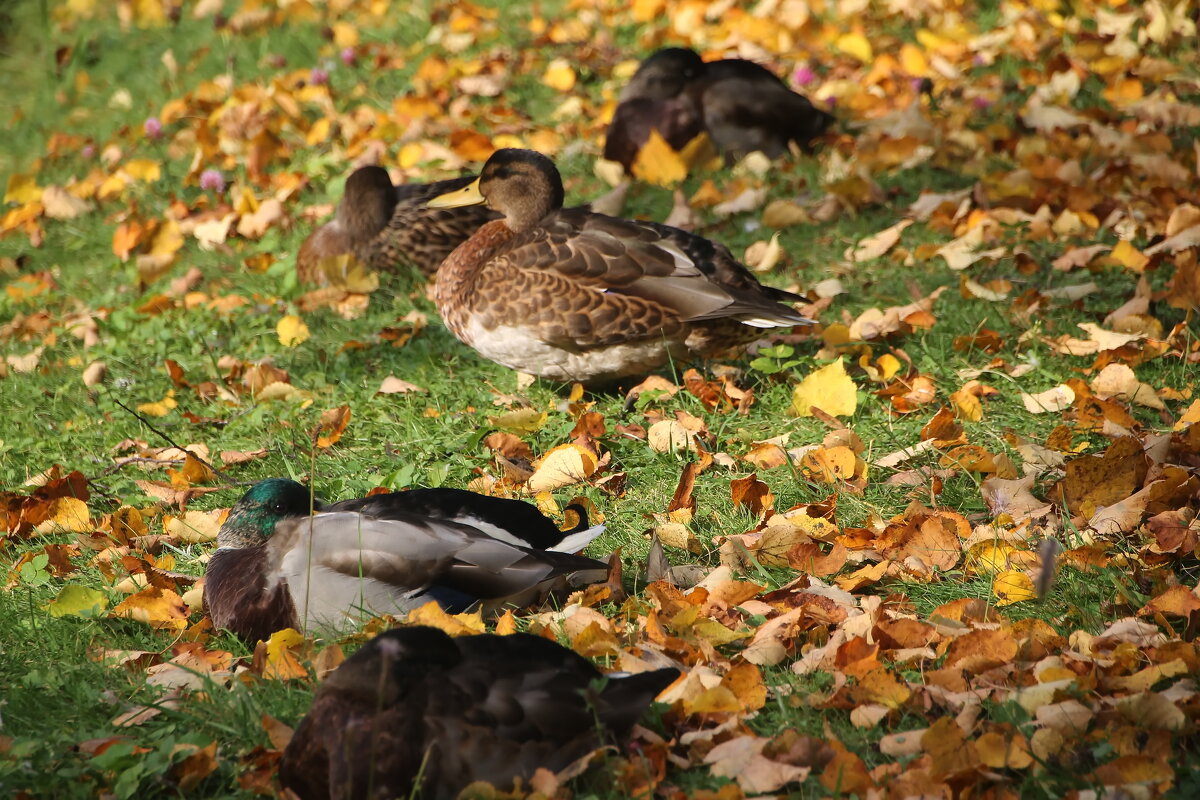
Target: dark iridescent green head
{"x":252,"y":521}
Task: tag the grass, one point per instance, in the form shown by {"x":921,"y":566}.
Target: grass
{"x":58,"y":696}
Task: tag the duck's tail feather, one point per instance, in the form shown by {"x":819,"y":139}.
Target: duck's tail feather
{"x":576,"y":541}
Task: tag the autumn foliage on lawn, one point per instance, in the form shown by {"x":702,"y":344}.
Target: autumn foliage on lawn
{"x":1071,"y":129}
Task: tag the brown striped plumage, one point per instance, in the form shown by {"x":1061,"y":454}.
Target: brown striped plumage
{"x":388,"y":227}
{"x":570,"y":294}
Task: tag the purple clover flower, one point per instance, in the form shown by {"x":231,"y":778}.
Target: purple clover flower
{"x":318,"y":76}
{"x":212,"y":180}
{"x":803,"y":76}
{"x":152,"y":127}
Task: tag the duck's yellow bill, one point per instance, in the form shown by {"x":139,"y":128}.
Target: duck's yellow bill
{"x":467,"y":196}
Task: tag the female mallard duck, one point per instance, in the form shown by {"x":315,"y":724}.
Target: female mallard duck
{"x":384,"y":225}
{"x":417,"y":713}
{"x":570,"y":294}
{"x":280,"y":566}
{"x":741,"y":105}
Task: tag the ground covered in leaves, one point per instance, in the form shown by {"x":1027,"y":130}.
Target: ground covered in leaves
{"x":1000,"y":244}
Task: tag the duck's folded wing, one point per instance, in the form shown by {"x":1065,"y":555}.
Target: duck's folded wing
{"x":386,"y":559}
{"x":686,"y":276}
{"x":512,"y":521}
{"x":493,"y":570}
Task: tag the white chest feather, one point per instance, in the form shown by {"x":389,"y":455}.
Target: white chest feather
{"x":517,"y":348}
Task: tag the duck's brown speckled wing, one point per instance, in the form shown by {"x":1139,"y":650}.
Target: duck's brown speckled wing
{"x":421,"y":236}
{"x":585,"y":280}
{"x":487,"y":707}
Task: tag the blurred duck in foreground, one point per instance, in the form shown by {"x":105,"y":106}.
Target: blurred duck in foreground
{"x":386,"y":226}
{"x":742,"y":106}
{"x":573,"y":295}
{"x":280,"y":565}
{"x":415,"y":713}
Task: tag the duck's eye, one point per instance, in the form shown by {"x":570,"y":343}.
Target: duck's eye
{"x":277,"y":507}
{"x":502,"y":173}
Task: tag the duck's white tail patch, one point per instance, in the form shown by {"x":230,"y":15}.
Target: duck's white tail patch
{"x":577,"y":541}
{"x":758,"y":322}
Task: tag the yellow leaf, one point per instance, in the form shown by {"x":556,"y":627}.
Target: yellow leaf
{"x":967,"y":406}
{"x":888,"y":366}
{"x":507,"y":624}
{"x":1190,"y":417}
{"x":410,"y":155}
{"x":657,"y":163}
{"x":646,"y":10}
{"x":523,"y":420}
{"x":344,"y":34}
{"x":559,"y":75}
{"x":160,"y":408}
{"x":149,"y":13}
{"x":282,"y":663}
{"x":990,"y":556}
{"x":158,"y":608}
{"x":66,"y":515}
{"x":22,"y":189}
{"x":455,"y":625}
{"x":319,"y":132}
{"x":856,"y":45}
{"x":913,"y":60}
{"x":347,"y":272}
{"x":1129,"y":256}
{"x":292,"y":331}
{"x":829,"y":465}
{"x":829,"y":389}
{"x":701,"y":152}
{"x":1012,"y":587}
{"x":168,"y":240}
{"x":142,"y":169}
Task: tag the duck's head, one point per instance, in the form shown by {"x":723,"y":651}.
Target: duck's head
{"x":367,"y":203}
{"x":252,"y":520}
{"x":523,"y":185}
{"x":664,"y":74}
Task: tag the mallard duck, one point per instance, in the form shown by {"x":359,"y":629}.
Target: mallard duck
{"x":573,"y":295}
{"x":278,"y":565}
{"x":384,"y":225}
{"x":417,"y":713}
{"x":741,"y":105}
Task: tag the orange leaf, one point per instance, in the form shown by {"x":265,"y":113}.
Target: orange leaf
{"x":333,"y":425}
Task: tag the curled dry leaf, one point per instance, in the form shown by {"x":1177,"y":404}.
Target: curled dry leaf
{"x":1050,"y":401}
{"x":393,"y":385}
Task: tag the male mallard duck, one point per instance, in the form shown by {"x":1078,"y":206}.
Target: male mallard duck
{"x":570,"y":294}
{"x":384,"y":225}
{"x":277,"y":566}
{"x":741,"y":105}
{"x":417,"y":712}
